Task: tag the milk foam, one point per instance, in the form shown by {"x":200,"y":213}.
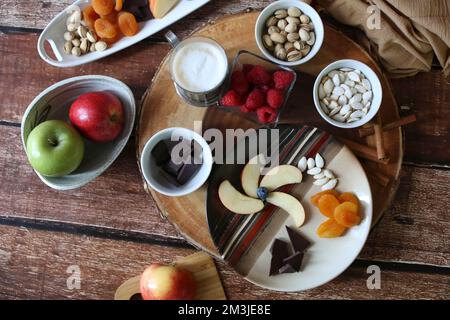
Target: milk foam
{"x":199,"y":66}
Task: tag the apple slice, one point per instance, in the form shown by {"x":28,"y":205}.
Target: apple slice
{"x":160,"y":8}
{"x":280,"y":176}
{"x":289,"y":204}
{"x":250,"y":176}
{"x":236,"y":202}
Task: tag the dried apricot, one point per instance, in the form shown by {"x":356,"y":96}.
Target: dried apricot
{"x":128,"y":24}
{"x":327,"y":204}
{"x":119,"y":5}
{"x":105,"y":29}
{"x":347,"y":196}
{"x":346,"y":214}
{"x":330,"y":229}
{"x":315,"y":198}
{"x":89,"y":16}
{"x":112,"y":17}
{"x":111,"y":41}
{"x":103,"y":7}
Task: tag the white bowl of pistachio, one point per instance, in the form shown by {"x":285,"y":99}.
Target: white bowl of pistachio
{"x":289,"y":32}
{"x":347,"y":93}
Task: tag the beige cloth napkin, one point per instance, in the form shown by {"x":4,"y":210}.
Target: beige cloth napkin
{"x":410,"y":32}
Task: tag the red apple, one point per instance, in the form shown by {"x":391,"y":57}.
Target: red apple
{"x":98,"y":116}
{"x":159,"y":282}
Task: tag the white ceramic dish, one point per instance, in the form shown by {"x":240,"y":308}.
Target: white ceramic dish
{"x":54,"y":103}
{"x":54,"y":31}
{"x":152,"y":173}
{"x":285,"y":4}
{"x":370,"y":75}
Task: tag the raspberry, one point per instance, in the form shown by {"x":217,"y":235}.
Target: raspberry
{"x":264,"y":88}
{"x":259,"y":76}
{"x":275,"y":98}
{"x":266,"y":114}
{"x":231,"y":99}
{"x":239,"y":82}
{"x":282,"y":79}
{"x":245,"y":109}
{"x":255,"y":99}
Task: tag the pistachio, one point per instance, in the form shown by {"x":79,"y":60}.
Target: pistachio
{"x":283,"y":33}
{"x":294,"y":55}
{"x":291,"y":37}
{"x":76,"y":42}
{"x":278,"y":37}
{"x":278,"y":46}
{"x":82,"y":31}
{"x":312,"y":39}
{"x":281,"y":14}
{"x":305,"y":50}
{"x":100,"y":46}
{"x":281,"y":54}
{"x":76,"y":51}
{"x":84,"y":46}
{"x":299,"y":45}
{"x":268,"y":43}
{"x":68,"y":47}
{"x":294,"y":12}
{"x":92,"y":48}
{"x":68,"y":36}
{"x":71,"y":27}
{"x":291,"y":27}
{"x":282,"y":24}
{"x":293,"y":20}
{"x":304,"y":18}
{"x":307,"y":26}
{"x":289,"y":46}
{"x":273,"y":29}
{"x":271,"y":22}
{"x":91,"y":36}
{"x":304,"y":35}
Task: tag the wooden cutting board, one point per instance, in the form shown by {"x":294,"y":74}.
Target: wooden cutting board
{"x":209,"y":286}
{"x":162,"y":108}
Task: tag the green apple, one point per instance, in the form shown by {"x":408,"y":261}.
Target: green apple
{"x":55,"y":148}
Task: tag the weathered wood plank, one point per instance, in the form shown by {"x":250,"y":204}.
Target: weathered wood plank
{"x":24,"y":74}
{"x":34,"y":265}
{"x":116,"y":200}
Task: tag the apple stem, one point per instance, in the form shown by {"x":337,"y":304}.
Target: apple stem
{"x":53,"y":142}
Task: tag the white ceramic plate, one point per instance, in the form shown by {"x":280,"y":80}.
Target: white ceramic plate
{"x":54,"y":31}
{"x":325,"y":259}
{"x":54,"y":103}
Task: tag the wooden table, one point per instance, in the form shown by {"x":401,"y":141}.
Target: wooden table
{"x":112,"y":229}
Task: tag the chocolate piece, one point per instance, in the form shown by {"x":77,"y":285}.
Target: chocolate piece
{"x":287,"y":268}
{"x":187,"y":172}
{"x":280,"y":251}
{"x":299,"y":242}
{"x":139,"y":8}
{"x":295,"y":261}
{"x":172,"y":168}
{"x":161,"y":153}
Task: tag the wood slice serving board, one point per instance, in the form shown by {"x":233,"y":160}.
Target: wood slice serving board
{"x":162,"y":108}
{"x":209,"y":286}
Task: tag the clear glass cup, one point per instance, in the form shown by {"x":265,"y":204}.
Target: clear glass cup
{"x":209,"y":52}
{"x":242,"y":58}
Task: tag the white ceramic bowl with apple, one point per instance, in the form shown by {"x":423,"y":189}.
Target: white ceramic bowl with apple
{"x":154,"y":176}
{"x":54,"y":104}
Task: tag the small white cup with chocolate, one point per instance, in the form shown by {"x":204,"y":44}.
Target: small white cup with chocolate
{"x":176,"y":161}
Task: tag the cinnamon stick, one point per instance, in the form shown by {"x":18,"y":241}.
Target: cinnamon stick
{"x":367,"y":131}
{"x":381,"y":154}
{"x":363,"y":151}
{"x":377,"y":176}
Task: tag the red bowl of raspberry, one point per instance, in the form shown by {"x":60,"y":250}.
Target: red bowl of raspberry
{"x":257,"y":88}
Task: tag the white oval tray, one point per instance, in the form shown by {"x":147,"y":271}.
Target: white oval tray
{"x":54,"y":32}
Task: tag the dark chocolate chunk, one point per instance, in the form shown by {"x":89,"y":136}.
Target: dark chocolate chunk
{"x":299,"y":242}
{"x":287,"y":268}
{"x":139,"y":8}
{"x":146,"y":13}
{"x":295,"y":261}
{"x":280,"y":251}
{"x":172,"y":168}
{"x":197,"y":152}
{"x":187,"y":172}
{"x":161,"y":153}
